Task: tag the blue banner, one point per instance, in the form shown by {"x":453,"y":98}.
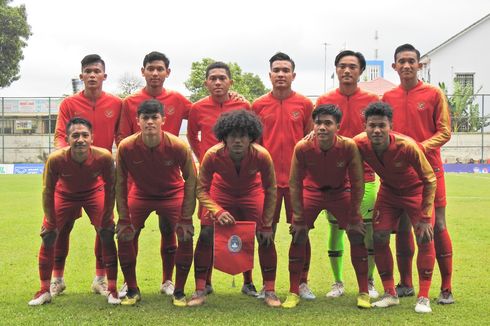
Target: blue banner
{"x":467,"y":168}
{"x":28,"y":168}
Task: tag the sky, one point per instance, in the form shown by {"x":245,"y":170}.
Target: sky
{"x":245,"y":32}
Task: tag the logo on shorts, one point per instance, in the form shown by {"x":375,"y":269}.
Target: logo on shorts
{"x":421,"y":106}
{"x":170,"y":110}
{"x":340,"y":164}
{"x":108,"y":113}
{"x":295,"y":115}
{"x":235,"y":243}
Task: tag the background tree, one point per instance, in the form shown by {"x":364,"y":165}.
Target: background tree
{"x":14,"y":32}
{"x":465,"y":113}
{"x":246,"y":84}
{"x":128,"y":84}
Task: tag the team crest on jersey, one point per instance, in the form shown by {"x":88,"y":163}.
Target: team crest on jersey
{"x":340,"y":164}
{"x":295,"y":115}
{"x":168,"y":162}
{"x":109,"y":113}
{"x":170,"y":110}
{"x":421,"y":106}
{"x":234,"y":243}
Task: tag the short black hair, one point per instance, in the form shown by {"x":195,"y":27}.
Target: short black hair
{"x":242,"y":121}
{"x":330,"y":109}
{"x":150,"y":107}
{"x":156,"y":56}
{"x":358,"y":55}
{"x":379,"y":108}
{"x":218,"y":65}
{"x":407,"y":47}
{"x":280,"y":56}
{"x":77,"y":121}
{"x":91,"y":59}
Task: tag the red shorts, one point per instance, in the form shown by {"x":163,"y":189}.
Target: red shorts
{"x":337,"y":204}
{"x":243,"y":208}
{"x":283,"y":193}
{"x":168,"y":208}
{"x":440,"y":199}
{"x":69,"y":209}
{"x":389,"y":206}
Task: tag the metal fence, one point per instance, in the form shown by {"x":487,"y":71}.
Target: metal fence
{"x":27,"y":127}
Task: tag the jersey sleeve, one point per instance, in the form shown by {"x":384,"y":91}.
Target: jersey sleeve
{"x":50,"y":178}
{"x":193,"y":129}
{"x":109,"y":177}
{"x":61,"y":122}
{"x":296,"y":177}
{"x":270,"y":189}
{"x":356,"y":178}
{"x":125,"y":123}
{"x":442,"y":122}
{"x":189,"y":175}
{"x":204,"y":181}
{"x":122,"y":187}
{"x":308,"y":123}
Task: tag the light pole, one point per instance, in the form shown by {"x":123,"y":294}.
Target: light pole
{"x":325,"y":71}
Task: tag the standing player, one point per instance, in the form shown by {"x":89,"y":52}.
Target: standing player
{"x":352,"y":101}
{"x":408,"y":185}
{"x":76,"y":177}
{"x":236,"y":183}
{"x":286,"y":116}
{"x":102,"y":110}
{"x":326,"y":173}
{"x":202,"y":118}
{"x":155,"y":70}
{"x":163,"y":178}
{"x":421,"y":111}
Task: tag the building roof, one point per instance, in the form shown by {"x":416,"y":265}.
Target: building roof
{"x":464,"y":31}
{"x":377,"y":86}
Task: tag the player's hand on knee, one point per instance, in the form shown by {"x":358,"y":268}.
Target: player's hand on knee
{"x":185,"y":231}
{"x":48,"y":235}
{"x":299,"y":233}
{"x":125,"y":232}
{"x":424,"y":232}
{"x":265,"y":237}
{"x":358,"y":228}
{"x":225,"y":218}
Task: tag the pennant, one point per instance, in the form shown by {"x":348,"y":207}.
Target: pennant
{"x":234,"y":247}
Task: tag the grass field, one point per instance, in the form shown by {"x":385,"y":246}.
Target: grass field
{"x":20,"y":219}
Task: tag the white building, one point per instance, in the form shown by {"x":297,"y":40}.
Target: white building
{"x":464,"y":57}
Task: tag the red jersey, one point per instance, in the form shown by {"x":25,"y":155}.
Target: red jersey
{"x":76,"y":181}
{"x":352,"y":122}
{"x":403,"y":168}
{"x":285,"y":123}
{"x":326,"y":171}
{"x":256,"y":173}
{"x":202,"y":118}
{"x":175,"y":107}
{"x":103,"y":115}
{"x":423,"y":114}
{"x":157,"y":173}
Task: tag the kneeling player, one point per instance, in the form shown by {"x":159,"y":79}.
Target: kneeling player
{"x":321,"y":170}
{"x":237,"y":183}
{"x":76,"y":177}
{"x":408,"y":185}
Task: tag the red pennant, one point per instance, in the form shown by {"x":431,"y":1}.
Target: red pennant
{"x":234,"y":247}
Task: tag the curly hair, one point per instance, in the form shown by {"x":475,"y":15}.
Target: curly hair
{"x":379,"y":109}
{"x":242,"y":122}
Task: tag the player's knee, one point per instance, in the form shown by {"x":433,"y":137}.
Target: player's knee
{"x":49,"y":238}
{"x":106,"y":234}
{"x":355,"y":238}
{"x":206,"y":235}
{"x":381,"y":237}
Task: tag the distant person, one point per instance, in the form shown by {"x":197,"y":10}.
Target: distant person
{"x":75,"y":177}
{"x":421,"y":111}
{"x":237,"y":183}
{"x":352,"y":101}
{"x":408,"y":186}
{"x":327,"y":173}
{"x":102,"y":110}
{"x":155,"y":70}
{"x":202,"y":118}
{"x":163,"y":178}
{"x":286,"y":116}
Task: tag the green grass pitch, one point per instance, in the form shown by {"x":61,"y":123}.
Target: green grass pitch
{"x":20,"y":220}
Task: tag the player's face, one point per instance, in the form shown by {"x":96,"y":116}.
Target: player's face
{"x":218,"y":83}
{"x":378,"y":131}
{"x":79,"y":139}
{"x":407,"y":65}
{"x":282,"y":74}
{"x":237,"y":144}
{"x":348,"y":70}
{"x":150,"y":123}
{"x":155,"y":73}
{"x":325,"y":127}
{"x":93,"y":76}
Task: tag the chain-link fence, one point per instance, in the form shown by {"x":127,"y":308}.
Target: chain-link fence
{"x":27,"y":127}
